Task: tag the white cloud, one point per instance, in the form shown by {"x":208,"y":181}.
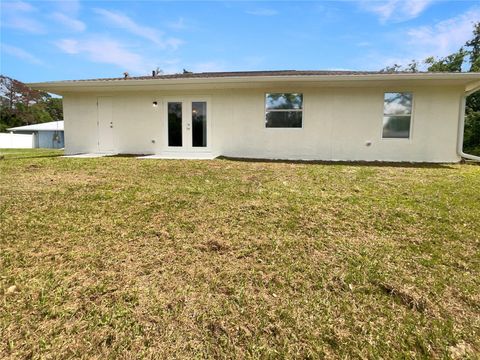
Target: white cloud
{"x":20,"y":54}
{"x":415,"y":7}
{"x":69,"y":22}
{"x":107,"y":51}
{"x":70,"y":7}
{"x":124,"y":22}
{"x":417,"y":43}
{"x":444,"y":37}
{"x":17,"y":15}
{"x":396,"y":10}
{"x":395,"y":108}
{"x":17,"y":6}
{"x":24,"y":23}
{"x":68,"y":46}
{"x":262,"y":12}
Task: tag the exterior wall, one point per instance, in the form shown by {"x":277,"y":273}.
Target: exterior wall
{"x":80,"y":123}
{"x":337,"y":124}
{"x":135,"y":123}
{"x":46,"y":139}
{"x":16,"y":141}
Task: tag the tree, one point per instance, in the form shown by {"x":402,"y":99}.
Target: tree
{"x":21,"y":105}
{"x":450,"y":63}
{"x":15,"y":92}
{"x":413,"y":66}
{"x":474,"y":52}
{"x":392,"y":69}
{"x":54,"y":107}
{"x":471,"y":142}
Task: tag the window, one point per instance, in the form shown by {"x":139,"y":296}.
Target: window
{"x":283,"y":110}
{"x":397,"y":115}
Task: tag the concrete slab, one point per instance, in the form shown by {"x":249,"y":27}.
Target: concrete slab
{"x":180,"y":156}
{"x":89,"y":155}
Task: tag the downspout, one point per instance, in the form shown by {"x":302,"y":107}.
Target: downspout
{"x":461,"y":128}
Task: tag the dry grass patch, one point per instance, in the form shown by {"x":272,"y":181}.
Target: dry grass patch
{"x":123,"y":258}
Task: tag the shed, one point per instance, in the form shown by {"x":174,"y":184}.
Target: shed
{"x":46,"y":135}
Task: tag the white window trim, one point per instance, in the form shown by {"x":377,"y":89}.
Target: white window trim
{"x":302,"y":110}
{"x":412,"y":111}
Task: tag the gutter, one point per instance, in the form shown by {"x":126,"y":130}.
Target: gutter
{"x":461,"y":128}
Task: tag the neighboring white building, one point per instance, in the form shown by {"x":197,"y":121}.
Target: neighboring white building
{"x":16,"y":141}
{"x":45,"y":135}
{"x":307,"y":115}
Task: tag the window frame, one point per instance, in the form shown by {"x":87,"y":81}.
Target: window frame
{"x":186,"y":100}
{"x":412,"y":112}
{"x":265,"y":110}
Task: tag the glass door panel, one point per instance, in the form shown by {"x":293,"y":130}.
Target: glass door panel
{"x":199,"y":124}
{"x":175,"y":124}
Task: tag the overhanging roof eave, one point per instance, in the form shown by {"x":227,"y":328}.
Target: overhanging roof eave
{"x":65,"y":86}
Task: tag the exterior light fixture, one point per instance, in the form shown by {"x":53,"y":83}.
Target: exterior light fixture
{"x":155,"y":104}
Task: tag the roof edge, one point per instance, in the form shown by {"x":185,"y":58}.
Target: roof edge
{"x":64,"y":86}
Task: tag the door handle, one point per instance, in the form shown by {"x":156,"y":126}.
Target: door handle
{"x":188,"y":126}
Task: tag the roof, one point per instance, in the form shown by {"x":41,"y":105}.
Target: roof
{"x":227,"y":74}
{"x":47,"y":126}
{"x":273,"y":73}
{"x":246,"y":79}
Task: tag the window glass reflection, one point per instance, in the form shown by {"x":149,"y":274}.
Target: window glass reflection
{"x":174,"y":124}
{"x":199,"y":124}
{"x":397,"y":115}
{"x":283,"y":110}
{"x":279,"y":119}
{"x":397,"y":104}
{"x":284,"y":101}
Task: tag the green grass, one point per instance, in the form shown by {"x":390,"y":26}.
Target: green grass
{"x":127,"y":258}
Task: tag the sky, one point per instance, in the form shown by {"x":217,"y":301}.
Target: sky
{"x":58,"y":40}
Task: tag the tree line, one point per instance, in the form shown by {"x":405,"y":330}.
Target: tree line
{"x":21,"y":105}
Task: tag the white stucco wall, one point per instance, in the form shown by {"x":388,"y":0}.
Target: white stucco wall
{"x":16,"y":141}
{"x":337,"y":123}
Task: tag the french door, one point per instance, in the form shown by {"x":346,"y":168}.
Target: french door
{"x":188,"y":124}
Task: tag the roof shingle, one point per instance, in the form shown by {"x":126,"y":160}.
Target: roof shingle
{"x":224,"y":74}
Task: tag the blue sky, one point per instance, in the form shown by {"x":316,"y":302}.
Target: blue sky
{"x":55,"y":40}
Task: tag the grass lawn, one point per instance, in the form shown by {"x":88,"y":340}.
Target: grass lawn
{"x":125,"y":258}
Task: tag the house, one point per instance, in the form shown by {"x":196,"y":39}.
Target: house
{"x":307,"y":115}
{"x":45,"y":135}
